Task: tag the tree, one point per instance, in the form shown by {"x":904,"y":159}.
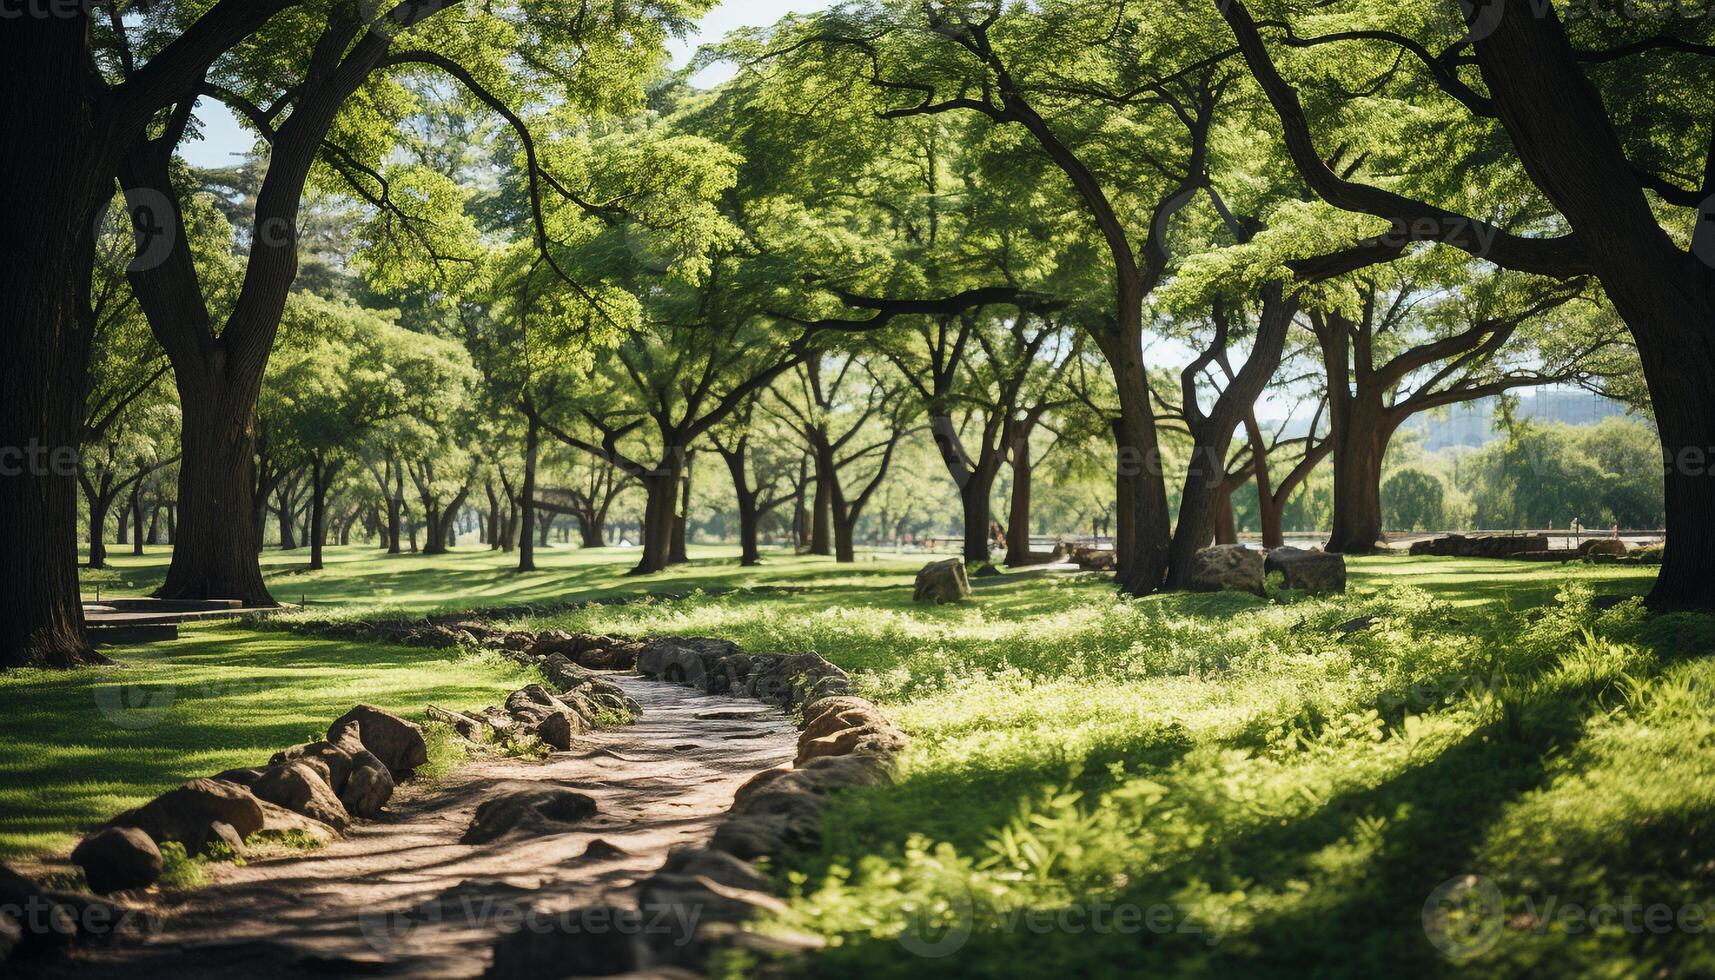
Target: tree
{"x":1414,"y":500}
{"x":342,"y":371}
{"x":1593,"y":117}
{"x":1415,"y":344}
{"x":851,"y":419}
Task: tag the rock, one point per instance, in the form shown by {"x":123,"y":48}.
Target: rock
{"x":559,"y":729}
{"x":1227,"y":567}
{"x":1612,"y":547}
{"x":368,"y":788}
{"x":564,"y":674}
{"x":117,"y":859}
{"x":223,"y":833}
{"x":185,"y":814}
{"x":942,"y":582}
{"x":1480,"y":545}
{"x":592,"y":942}
{"x":51,"y":921}
{"x":831,"y":722}
{"x":601,"y":850}
{"x":332,"y":762}
{"x":1315,"y":572}
{"x":300,"y":788}
{"x":763,"y":835}
{"x":242,"y":777}
{"x":676,"y":662}
{"x":279,"y":823}
{"x":536,"y":809}
{"x":1091,"y":559}
{"x":987,"y":570}
{"x":815,"y":709}
{"x":614,"y":656}
{"x":716,"y":866}
{"x":396,"y":742}
{"x":685,"y":941}
{"x":880,"y":738}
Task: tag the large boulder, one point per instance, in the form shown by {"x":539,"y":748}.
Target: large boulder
{"x":187,"y":814}
{"x":1228,"y":567}
{"x":942,"y":582}
{"x":534,"y":809}
{"x":1612,"y":547}
{"x":118,"y":858}
{"x":1316,"y":572}
{"x":302,"y":789}
{"x":396,"y":742}
{"x":369,"y":784}
{"x":331,"y":762}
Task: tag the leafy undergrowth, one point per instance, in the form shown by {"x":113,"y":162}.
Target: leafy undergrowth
{"x":1460,"y":775}
{"x":84,"y":745}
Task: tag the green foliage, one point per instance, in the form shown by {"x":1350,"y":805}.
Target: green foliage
{"x":1413,"y":500}
{"x":1542,"y":476}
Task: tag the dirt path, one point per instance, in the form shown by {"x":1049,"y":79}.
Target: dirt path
{"x":404,"y":896}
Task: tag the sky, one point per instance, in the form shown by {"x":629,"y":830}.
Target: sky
{"x":222,"y":136}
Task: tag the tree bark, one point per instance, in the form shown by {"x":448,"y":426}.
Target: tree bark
{"x":211,"y":559}
{"x":527,"y":498}
{"x":822,"y":509}
{"x":748,"y":520}
{"x":1273,"y":536}
{"x":1018,"y":516}
{"x":1226,"y":527}
{"x":99,"y":504}
{"x":320,"y":476}
{"x":678,"y":554}
{"x":661,"y":491}
{"x":136,"y":509}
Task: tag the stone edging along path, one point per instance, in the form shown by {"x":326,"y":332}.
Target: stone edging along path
{"x":314,"y":790}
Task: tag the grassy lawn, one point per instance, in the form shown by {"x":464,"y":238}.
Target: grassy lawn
{"x":1181,"y":785}
{"x":82,"y":746}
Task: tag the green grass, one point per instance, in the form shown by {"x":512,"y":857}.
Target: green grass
{"x":1201,"y":785}
{"x":369,"y":580}
{"x":84,"y":745}
{"x":1266,"y":794}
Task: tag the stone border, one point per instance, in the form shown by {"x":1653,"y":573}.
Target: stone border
{"x":844,"y":742}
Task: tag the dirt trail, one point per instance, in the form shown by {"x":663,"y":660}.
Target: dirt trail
{"x":366,"y":904}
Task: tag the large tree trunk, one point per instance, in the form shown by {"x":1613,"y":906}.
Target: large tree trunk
{"x":592,"y":533}
{"x":212,"y":558}
{"x":678,"y":554}
{"x":98,"y":508}
{"x":286,"y":506}
{"x":822,"y":509}
{"x":661,"y":492}
{"x":136,"y":508}
{"x":320,"y":477}
{"x":527,"y":499}
{"x":57,"y":167}
{"x":1273,"y":536}
{"x":1360,"y":445}
{"x":748,"y":520}
{"x":1142,"y":518}
{"x":493,"y":519}
{"x":1226,"y":527}
{"x":1125,"y":491}
{"x":395,"y":517}
{"x":974,"y":497}
{"x":1018,"y":517}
